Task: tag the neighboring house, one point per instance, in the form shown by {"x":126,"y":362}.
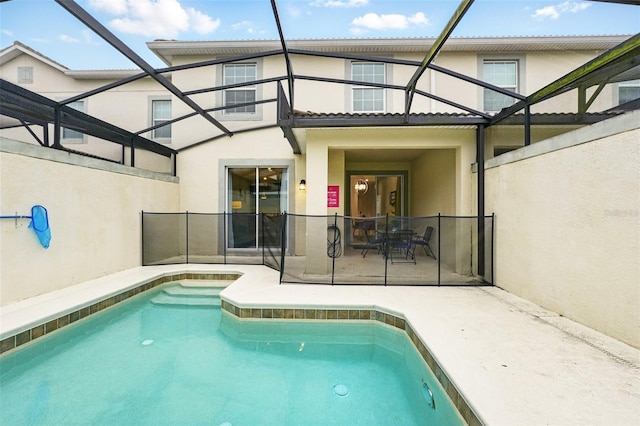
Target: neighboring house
{"x":427,"y":165}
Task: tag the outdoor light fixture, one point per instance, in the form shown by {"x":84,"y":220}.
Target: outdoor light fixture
{"x":303,"y":185}
{"x":361,"y":186}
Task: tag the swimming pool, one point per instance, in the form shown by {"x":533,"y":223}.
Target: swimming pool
{"x":149,"y":360}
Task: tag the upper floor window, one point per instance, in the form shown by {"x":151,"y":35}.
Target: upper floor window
{"x":502,"y":73}
{"x":25,"y":75}
{"x":628,"y":91}
{"x":160,"y":113}
{"x":240,"y":73}
{"x":368,"y":99}
{"x":73,"y":135}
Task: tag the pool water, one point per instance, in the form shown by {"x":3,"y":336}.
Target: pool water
{"x":142,"y":362}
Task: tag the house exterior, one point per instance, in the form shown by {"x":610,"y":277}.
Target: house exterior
{"x":428,"y":166}
{"x":243,"y":162}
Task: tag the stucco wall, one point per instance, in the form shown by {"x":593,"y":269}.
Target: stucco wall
{"x":434,"y":183}
{"x":567,"y":231}
{"x":94,"y":216}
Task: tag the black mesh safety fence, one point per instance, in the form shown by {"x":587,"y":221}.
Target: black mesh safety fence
{"x":272,"y":231}
{"x":164,"y":238}
{"x":204,"y":238}
{"x":335,"y":250}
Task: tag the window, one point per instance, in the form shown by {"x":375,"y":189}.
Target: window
{"x":25,"y":75}
{"x":368,"y":99}
{"x":74,"y":136}
{"x":503,"y":74}
{"x":628,"y":91}
{"x":235,"y":74}
{"x":251,"y":191}
{"x":161,"y":113}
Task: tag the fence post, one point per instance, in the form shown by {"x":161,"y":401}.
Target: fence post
{"x":385,"y":247}
{"x":187,"y":232}
{"x":333,"y":258}
{"x":283,"y":243}
{"x":261,"y":234}
{"x":493,"y":227}
{"x":224,"y":237}
{"x":439,"y":252}
{"x":142,"y":236}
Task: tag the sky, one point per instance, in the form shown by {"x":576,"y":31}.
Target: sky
{"x":46,"y":27}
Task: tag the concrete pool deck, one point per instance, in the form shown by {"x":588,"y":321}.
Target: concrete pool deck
{"x":514,"y":362}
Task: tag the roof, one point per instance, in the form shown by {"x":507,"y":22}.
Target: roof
{"x":17,"y":48}
{"x":167,"y":49}
{"x":309,"y":119}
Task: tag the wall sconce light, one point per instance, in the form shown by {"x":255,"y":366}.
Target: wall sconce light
{"x":303,"y":185}
{"x":236,"y":204}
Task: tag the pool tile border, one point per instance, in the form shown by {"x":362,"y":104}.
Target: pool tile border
{"x":24,"y":337}
{"x":362,"y":315}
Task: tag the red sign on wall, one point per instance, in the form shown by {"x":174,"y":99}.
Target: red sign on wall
{"x":333,"y":196}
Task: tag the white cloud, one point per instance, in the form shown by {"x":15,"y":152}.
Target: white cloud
{"x":155,"y":18}
{"x":339,"y":3}
{"x":8,"y":33}
{"x":68,"y":39}
{"x":418,"y":19}
{"x":554,"y":12}
{"x":201,"y":23}
{"x":373,"y":21}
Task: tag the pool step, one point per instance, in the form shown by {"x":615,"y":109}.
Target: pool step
{"x":189,"y":296}
{"x":181,"y":291}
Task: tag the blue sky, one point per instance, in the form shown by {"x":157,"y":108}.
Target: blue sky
{"x":48,"y":28}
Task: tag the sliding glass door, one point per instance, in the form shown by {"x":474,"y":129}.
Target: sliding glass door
{"x":253,"y":190}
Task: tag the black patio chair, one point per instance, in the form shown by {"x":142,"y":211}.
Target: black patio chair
{"x":424,"y":241}
{"x":402,"y":242}
{"x":373,"y":242}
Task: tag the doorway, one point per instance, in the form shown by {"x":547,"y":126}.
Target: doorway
{"x":375,"y":194}
{"x":251,"y":191}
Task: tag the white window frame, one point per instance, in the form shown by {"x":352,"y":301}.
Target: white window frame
{"x":25,"y":75}
{"x":356,"y":88}
{"x":153,"y":121}
{"x":230,"y":112}
{"x":70,"y":135}
{"x":516,"y":88}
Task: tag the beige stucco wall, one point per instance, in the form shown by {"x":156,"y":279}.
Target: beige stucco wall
{"x":202,"y":168}
{"x":567,"y":233}
{"x":94,"y":216}
{"x":433,"y":181}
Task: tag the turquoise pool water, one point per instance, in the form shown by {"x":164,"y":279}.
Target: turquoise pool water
{"x":153,"y":363}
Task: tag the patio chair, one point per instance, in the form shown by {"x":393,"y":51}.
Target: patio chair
{"x":424,"y":241}
{"x":373,"y":242}
{"x":402,"y":242}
